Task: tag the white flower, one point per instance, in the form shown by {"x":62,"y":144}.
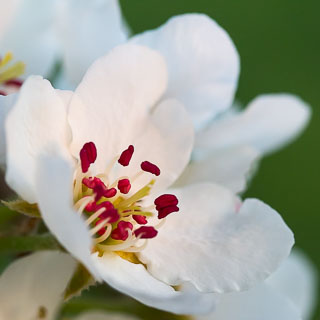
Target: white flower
{"x":78,"y":31}
{"x":290,"y":293}
{"x":26,"y":29}
{"x":6,"y":103}
{"x":216,"y":243}
{"x":203,"y":71}
{"x":203,"y":67}
{"x":32,"y":287}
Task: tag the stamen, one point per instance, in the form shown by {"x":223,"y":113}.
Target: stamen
{"x":124,"y":186}
{"x":122,"y":230}
{"x":82,"y":204}
{"x":105,"y":233}
{"x":95,"y":216}
{"x":14,"y":82}
{"x":126,"y":156}
{"x":163,"y":212}
{"x":137,"y":196}
{"x":99,"y":188}
{"x":166,"y":204}
{"x":88,"y":155}
{"x":146,"y":232}
{"x":166,"y":200}
{"x":150,"y":167}
{"x":136,"y":249}
{"x":140,"y":219}
{"x":101,"y":224}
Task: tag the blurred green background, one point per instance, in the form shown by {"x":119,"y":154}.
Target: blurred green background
{"x":279,"y":46}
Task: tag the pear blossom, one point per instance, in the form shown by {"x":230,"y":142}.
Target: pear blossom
{"x":98,"y":162}
{"x":9,"y":73}
{"x":27,"y":30}
{"x":42,"y":33}
{"x":203,"y":71}
{"x":289,"y":293}
{"x":32,"y":287}
{"x":203,"y":67}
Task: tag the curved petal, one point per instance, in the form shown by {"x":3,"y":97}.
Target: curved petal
{"x":100,"y":315}
{"x":88,"y":30}
{"x":165,"y":139}
{"x":267,"y":124}
{"x":297,"y":280}
{"x":34,"y":285}
{"x":135,"y":281}
{"x":54,"y":178}
{"x":203,"y":63}
{"x":232,"y":248}
{"x":37,"y":124}
{"x":261,"y":303}
{"x":6,"y":104}
{"x":113,"y":99}
{"x":30,"y":35}
{"x":230,"y":167}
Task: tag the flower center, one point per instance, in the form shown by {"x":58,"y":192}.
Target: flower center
{"x":9,"y":72}
{"x":114,"y":211}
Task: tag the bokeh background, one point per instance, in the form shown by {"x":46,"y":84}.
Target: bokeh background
{"x":279,"y":46}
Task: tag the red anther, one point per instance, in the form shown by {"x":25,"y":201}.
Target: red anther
{"x":91,"y":206}
{"x":102,"y":230}
{"x":150,"y":167}
{"x":112,"y":215}
{"x":140,"y":219}
{"x":2,"y":93}
{"x":99,"y":188}
{"x":163,"y":212}
{"x":166,"y":200}
{"x":88,"y":155}
{"x":126,"y":156}
{"x":121,"y":232}
{"x":124,"y":185}
{"x":14,"y":82}
{"x":109,"y":193}
{"x":146,"y":232}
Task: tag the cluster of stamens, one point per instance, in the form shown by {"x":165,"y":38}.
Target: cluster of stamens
{"x":9,"y":73}
{"x":116,"y":218}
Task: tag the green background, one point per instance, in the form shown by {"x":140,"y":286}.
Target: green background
{"x":279,"y":45}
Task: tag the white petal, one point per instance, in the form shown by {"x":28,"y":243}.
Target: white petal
{"x":229,"y":167}
{"x":260,"y":303}
{"x":88,"y":30}
{"x":203,"y":63}
{"x":7,"y":14}
{"x":135,"y":281}
{"x":100,"y":315}
{"x":165,"y":139}
{"x":30,"y":36}
{"x":216,"y":245}
{"x":35,"y":283}
{"x":37,"y":124}
{"x":297,"y":279}
{"x":6,"y":104}
{"x":114,"y":98}
{"x":268,"y":123}
{"x":54,"y":181}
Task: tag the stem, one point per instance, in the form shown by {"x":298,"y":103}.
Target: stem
{"x":28,"y":243}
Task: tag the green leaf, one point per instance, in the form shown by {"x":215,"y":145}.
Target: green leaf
{"x":21,"y":206}
{"x":81,"y":280}
{"x":28,"y":243}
